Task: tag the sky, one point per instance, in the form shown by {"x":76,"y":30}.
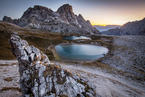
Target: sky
{"x":99,"y":12}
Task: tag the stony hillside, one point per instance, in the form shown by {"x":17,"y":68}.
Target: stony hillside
{"x":130,"y":28}
{"x":62,"y":21}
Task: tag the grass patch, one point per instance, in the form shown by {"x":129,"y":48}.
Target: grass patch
{"x":63,"y":95}
{"x":14,"y":64}
{"x":5,"y":48}
{"x":8,"y":79}
{"x":4,"y":65}
{"x":10,"y":88}
{"x":98,"y":65}
{"x":38,"y":38}
{"x":43,"y":40}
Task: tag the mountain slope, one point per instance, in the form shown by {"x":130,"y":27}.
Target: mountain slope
{"x":61,"y":21}
{"x":130,"y":28}
{"x":105,"y":28}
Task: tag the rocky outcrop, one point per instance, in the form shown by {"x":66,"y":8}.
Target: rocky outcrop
{"x":40,"y":78}
{"x":130,"y":28}
{"x":8,"y":19}
{"x":61,"y":21}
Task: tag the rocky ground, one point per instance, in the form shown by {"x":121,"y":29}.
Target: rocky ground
{"x":9,"y":79}
{"x":123,"y":72}
{"x":122,"y":75}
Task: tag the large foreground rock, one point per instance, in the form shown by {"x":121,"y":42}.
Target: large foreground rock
{"x":40,"y":78}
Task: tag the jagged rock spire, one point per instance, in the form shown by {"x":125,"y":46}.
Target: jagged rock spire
{"x":66,"y":8}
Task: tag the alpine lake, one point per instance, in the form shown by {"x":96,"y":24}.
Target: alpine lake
{"x":80,"y":52}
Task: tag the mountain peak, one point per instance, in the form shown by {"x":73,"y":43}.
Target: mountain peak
{"x":39,"y":7}
{"x":7,"y":19}
{"x":62,"y":21}
{"x":66,"y":8}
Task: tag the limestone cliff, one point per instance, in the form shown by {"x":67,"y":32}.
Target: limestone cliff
{"x":40,"y":78}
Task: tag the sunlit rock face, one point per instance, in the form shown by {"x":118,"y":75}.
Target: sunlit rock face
{"x":40,"y":78}
{"x":61,"y":21}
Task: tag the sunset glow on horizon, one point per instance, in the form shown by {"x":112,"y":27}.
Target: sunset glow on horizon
{"x":98,"y":12}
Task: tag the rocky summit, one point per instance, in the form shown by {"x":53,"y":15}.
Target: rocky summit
{"x":39,"y":78}
{"x":61,"y":21}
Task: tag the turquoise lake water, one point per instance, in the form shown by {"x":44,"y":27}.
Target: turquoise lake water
{"x":80,"y":52}
{"x":75,"y":38}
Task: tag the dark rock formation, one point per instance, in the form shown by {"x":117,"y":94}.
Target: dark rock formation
{"x":62,"y":21}
{"x":39,"y":78}
{"x":130,"y":28}
{"x":8,"y":19}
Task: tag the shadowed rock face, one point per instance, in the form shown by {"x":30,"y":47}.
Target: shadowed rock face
{"x":8,"y":19}
{"x":61,"y":21}
{"x":40,"y":78}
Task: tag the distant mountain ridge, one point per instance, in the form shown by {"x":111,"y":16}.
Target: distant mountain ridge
{"x":105,"y":28}
{"x":61,"y":21}
{"x":130,"y":28}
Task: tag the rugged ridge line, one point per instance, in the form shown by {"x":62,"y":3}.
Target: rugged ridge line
{"x":61,"y":21}
{"x":40,"y":78}
{"x":130,"y":28}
